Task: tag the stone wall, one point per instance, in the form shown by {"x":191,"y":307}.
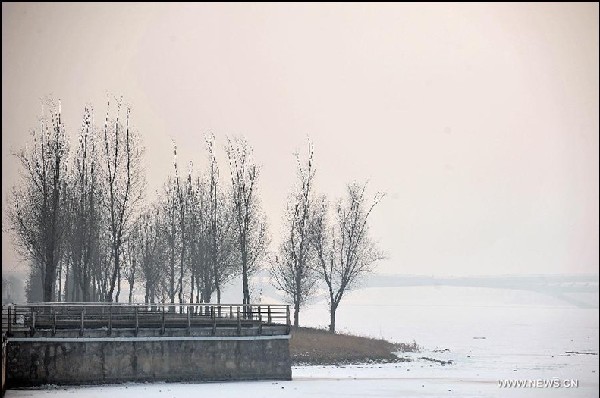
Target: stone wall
{"x":88,"y":360}
{"x":3,"y":363}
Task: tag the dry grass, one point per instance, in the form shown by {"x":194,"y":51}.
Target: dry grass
{"x":316,"y":346}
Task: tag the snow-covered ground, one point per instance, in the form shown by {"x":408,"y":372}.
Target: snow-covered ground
{"x":488,"y":334}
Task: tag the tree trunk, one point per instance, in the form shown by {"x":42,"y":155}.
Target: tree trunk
{"x":182,"y":260}
{"x":245,"y":287}
{"x":130,"y":292}
{"x":296,"y":314}
{"x":59,"y":292}
{"x":172,"y":284}
{"x":77,"y":293}
{"x":181,"y":283}
{"x":68,"y":296}
{"x":332,"y":309}
{"x":49,"y":279}
{"x":297,"y":298}
{"x":118,"y":286}
{"x":85,"y":289}
{"x":115,"y":273}
{"x":217,"y":282}
{"x":192,"y":288}
{"x":246,"y":292}
{"x":198,"y":293}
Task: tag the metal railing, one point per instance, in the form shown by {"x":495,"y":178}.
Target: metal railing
{"x":29,"y":318}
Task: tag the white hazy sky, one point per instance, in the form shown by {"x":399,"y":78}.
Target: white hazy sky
{"x":479,"y":121}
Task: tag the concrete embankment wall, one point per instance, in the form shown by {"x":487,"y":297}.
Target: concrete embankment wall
{"x":97,"y":360}
{"x":3,"y":363}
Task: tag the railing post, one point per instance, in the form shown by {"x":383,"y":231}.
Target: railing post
{"x":259,"y":321}
{"x":162,"y":328}
{"x":269,"y":312}
{"x":109,"y":319}
{"x":214,"y":320}
{"x":82,"y":315}
{"x":137,"y":325}
{"x":9,"y":320}
{"x":287,"y":317}
{"x":239,"y":323}
{"x":32,"y":321}
{"x":53,"y":322}
{"x":189,"y":323}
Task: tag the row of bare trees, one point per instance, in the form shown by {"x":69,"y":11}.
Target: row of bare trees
{"x":200,"y":233}
{"x":323,"y":246}
{"x":71,"y":213}
{"x":81,"y":218}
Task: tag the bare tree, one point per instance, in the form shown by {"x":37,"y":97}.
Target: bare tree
{"x":37,"y":216}
{"x":213,"y":197}
{"x":183,"y":192}
{"x":249,"y":223}
{"x":221,"y":243}
{"x":344,"y":249}
{"x":85,"y":211}
{"x":122,"y":167}
{"x":200,"y":277}
{"x":184,"y":231}
{"x":170,"y":233}
{"x":133,"y":254}
{"x":102,"y":262}
{"x":224,"y":249}
{"x":294,"y":271}
{"x":34,"y":285}
{"x":150,"y":253}
{"x":210,"y":240}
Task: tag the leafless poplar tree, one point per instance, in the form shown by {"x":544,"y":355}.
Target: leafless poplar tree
{"x":249,"y":222}
{"x":221,"y":243}
{"x":199,"y":286}
{"x":85,"y":212}
{"x":344,"y":248}
{"x":169,"y":226}
{"x":294,"y":268}
{"x":125,"y":182}
{"x":183,"y":192}
{"x":151,"y":253}
{"x":133,"y":254}
{"x":37,"y":216}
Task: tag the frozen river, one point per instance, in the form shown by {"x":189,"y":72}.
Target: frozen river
{"x":490,"y":335}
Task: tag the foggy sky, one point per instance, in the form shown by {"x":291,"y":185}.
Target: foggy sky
{"x":480,"y":122}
